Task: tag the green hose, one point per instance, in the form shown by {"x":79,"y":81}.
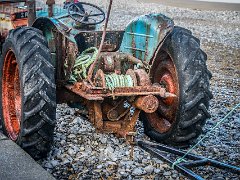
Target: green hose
{"x":82,"y":64}
{"x":114,"y":80}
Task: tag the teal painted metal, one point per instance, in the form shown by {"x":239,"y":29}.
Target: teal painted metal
{"x":60,"y":20}
{"x":144,"y":34}
{"x":57,"y":11}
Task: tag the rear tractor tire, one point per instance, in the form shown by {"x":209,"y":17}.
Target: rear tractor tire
{"x":28,"y":91}
{"x":180,"y":67}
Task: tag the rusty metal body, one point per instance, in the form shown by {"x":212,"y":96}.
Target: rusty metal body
{"x":124,"y":53}
{"x":10,"y":18}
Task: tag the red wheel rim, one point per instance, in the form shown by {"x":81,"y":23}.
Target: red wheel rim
{"x":11,"y":96}
{"x":166,"y":74}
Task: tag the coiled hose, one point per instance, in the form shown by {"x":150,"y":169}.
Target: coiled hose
{"x":82,"y":64}
{"x":114,"y":80}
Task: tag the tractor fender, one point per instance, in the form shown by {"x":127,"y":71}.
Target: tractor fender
{"x":46,"y":25}
{"x":144,"y":34}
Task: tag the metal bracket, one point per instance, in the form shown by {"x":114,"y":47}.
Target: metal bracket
{"x":157,"y":150}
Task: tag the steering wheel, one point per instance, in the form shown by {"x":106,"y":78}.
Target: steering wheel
{"x":82,"y":12}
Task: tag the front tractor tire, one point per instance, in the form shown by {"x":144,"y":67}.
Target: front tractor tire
{"x":180,"y":67}
{"x":28,"y":91}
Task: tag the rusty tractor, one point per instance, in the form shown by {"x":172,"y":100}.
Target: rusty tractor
{"x":152,"y":71}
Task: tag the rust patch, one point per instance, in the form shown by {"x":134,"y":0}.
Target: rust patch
{"x":142,"y":77}
{"x":165,"y":74}
{"x":89,"y":92}
{"x":148,"y":104}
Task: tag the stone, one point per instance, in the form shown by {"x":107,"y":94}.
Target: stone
{"x":71,"y":136}
{"x":138,"y":172}
{"x":54,"y":163}
{"x":77,"y":120}
{"x":103,"y":140}
{"x":149,"y":169}
{"x":48,"y":165}
{"x":123,"y":173}
{"x":156,"y":171}
{"x":99,"y":166}
{"x":109,"y":149}
{"x":71,"y":151}
{"x":167,"y":173}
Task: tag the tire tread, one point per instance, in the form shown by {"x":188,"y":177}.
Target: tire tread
{"x":34,"y":60}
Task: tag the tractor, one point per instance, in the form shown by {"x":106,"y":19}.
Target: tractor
{"x":152,"y":71}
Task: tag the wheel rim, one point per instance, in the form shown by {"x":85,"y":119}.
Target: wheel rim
{"x":166,"y":74}
{"x":11,"y":96}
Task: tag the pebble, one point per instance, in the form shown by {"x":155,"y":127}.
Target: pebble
{"x":156,"y":171}
{"x":138,"y":172}
{"x":167,"y":173}
{"x":71,"y":151}
{"x":48,"y":165}
{"x":99,"y":166}
{"x":54,"y":163}
{"x":71,"y":136}
{"x":149,"y":169}
{"x":123,"y":173}
{"x":109,"y":149}
{"x":103,"y":140}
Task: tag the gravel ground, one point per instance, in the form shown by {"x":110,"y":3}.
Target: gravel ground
{"x":80,"y":152}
